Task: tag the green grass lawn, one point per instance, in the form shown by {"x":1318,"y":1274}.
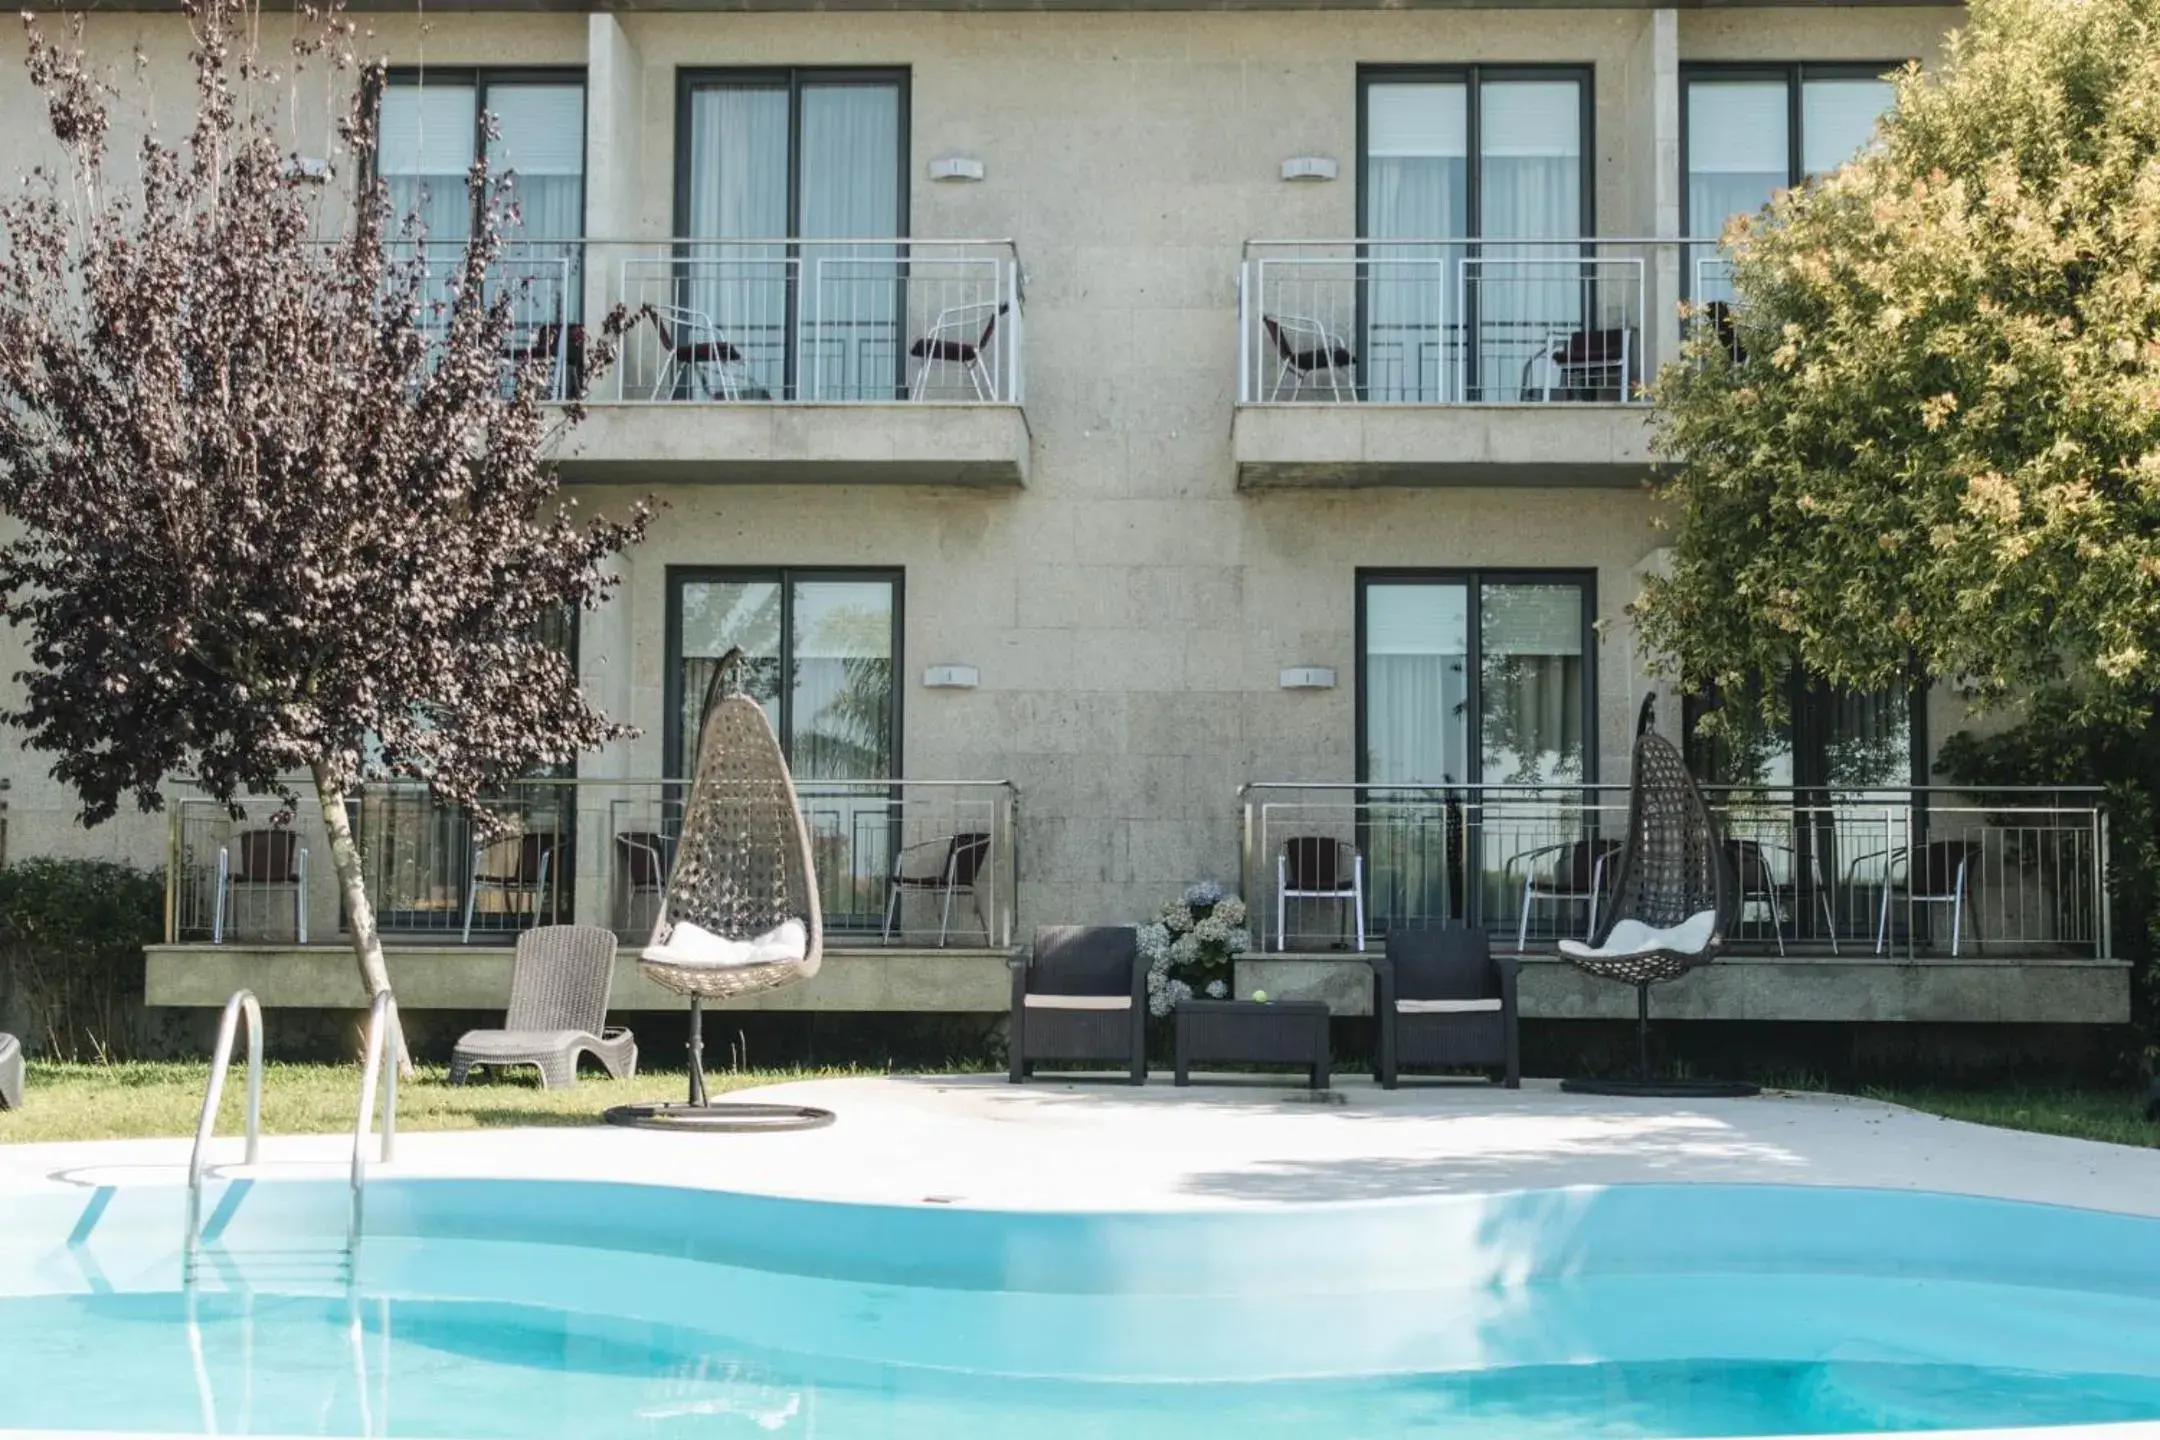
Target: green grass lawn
{"x":2116,"y":1116}
{"x":110,"y":1102}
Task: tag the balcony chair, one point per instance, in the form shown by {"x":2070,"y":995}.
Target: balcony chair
{"x":961,"y":865}
{"x":1080,"y":995}
{"x":696,"y":354}
{"x":1441,"y":998}
{"x":1587,"y":365}
{"x":11,"y":1073}
{"x":1673,"y":904}
{"x":558,"y":1011}
{"x":947,"y":343}
{"x":1577,"y":877}
{"x":561,"y":349}
{"x":1317,"y":867}
{"x":1304,"y":347}
{"x":512,"y":868}
{"x":641,"y":868}
{"x":1756,"y":880}
{"x":741,"y":913}
{"x":266,"y":860}
{"x":1943,"y":876}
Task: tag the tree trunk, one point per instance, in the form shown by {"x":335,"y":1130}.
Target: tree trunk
{"x":359,"y":914}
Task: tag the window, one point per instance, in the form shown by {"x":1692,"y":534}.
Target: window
{"x":1463,"y":680}
{"x":1833,"y":741}
{"x":822,"y":647}
{"x":1454,"y":156}
{"x":769,"y":164}
{"x":431,"y":133}
{"x":1752,"y":131}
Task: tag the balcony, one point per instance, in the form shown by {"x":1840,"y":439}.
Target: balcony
{"x":917,"y":883}
{"x":1453,"y":361}
{"x":784,"y":361}
{"x":1889,"y":904}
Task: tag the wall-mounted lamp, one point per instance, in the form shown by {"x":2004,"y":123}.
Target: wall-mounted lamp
{"x":1309,"y":167}
{"x":956,"y":167}
{"x":1308,"y":677}
{"x":951,"y":677}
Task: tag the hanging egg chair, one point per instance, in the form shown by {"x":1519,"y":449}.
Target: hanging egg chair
{"x":740,"y":911}
{"x":1674,"y":901}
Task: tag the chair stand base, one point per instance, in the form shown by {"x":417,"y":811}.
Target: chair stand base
{"x":741,"y":1118}
{"x":698,"y":1113}
{"x":1665,"y":1089}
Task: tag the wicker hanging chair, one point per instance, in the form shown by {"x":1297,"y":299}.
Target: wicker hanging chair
{"x":742,"y":869}
{"x":1674,"y":901}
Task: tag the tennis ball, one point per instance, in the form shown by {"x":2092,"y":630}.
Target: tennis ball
{"x":1259,"y":997}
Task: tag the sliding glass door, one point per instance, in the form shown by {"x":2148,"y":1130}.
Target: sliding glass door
{"x":822,"y":650}
{"x":1453,"y":158}
{"x":1468,"y":682}
{"x":790,"y":194}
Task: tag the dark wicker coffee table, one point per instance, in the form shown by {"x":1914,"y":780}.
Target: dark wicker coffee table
{"x":1278,"y":1032}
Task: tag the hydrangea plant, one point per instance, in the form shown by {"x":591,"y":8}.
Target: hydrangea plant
{"x":1190,"y":944}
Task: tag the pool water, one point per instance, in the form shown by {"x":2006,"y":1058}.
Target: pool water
{"x":486,"y":1309}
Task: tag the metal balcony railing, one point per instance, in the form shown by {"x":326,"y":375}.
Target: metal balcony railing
{"x":757,"y":321}
{"x":1895,"y":872}
{"x":1456,"y":321}
{"x":905,"y":862}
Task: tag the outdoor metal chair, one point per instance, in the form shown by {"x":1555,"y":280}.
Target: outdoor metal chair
{"x":1304,"y":347}
{"x":1583,"y":365}
{"x":1080,"y":995}
{"x":559,"y":988}
{"x":947,"y":343}
{"x":1577,"y":877}
{"x":258,"y":862}
{"x":1441,"y":998}
{"x":515,"y":870}
{"x":962,"y":857}
{"x":1316,"y":867}
{"x":641,"y":866}
{"x":1942,"y":874}
{"x":695,"y":356}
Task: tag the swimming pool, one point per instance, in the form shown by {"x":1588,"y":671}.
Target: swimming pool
{"x":529,"y":1308}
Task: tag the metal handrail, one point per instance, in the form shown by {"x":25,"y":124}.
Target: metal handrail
{"x":384,"y":1032}
{"x":242,"y":1003}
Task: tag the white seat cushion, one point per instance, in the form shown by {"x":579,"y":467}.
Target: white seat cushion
{"x":694,"y":947}
{"x":1631,"y":937}
{"x":1077,"y":1002}
{"x":1443,"y":1007}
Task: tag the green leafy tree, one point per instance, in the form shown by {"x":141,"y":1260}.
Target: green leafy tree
{"x":1937,"y":452}
{"x":1928,"y":444}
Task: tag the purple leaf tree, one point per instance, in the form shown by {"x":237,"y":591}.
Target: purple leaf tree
{"x":284,"y":516}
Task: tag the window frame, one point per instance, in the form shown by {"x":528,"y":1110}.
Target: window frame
{"x":690,"y":78}
{"x":1793,"y":75}
{"x":1475,"y":579}
{"x":1808,"y":711}
{"x":1473,"y":78}
{"x":481,"y":79}
{"x":785,"y":577}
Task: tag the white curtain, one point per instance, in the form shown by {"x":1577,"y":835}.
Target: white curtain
{"x":850,"y":191}
{"x":738,"y":293}
{"x":541,"y":147}
{"x":1530,"y":299}
{"x":1416,"y":163}
{"x":1417,"y":648}
{"x":1837,"y":120}
{"x":426,"y":152}
{"x":1739,"y":155}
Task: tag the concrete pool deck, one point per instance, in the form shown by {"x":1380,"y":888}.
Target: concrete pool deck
{"x":1059,"y":1144}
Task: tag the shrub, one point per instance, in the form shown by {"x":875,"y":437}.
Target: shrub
{"x":71,"y":952}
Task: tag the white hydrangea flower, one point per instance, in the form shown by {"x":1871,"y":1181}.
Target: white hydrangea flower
{"x":1211,"y":931}
{"x":1154,"y":940}
{"x":1230,"y":910}
{"x":1178,"y":918}
{"x":1185,"y":949}
{"x":1238,"y":942}
{"x":1216,"y":989}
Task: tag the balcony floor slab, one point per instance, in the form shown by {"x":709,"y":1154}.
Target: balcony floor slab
{"x":757,"y":443}
{"x":1351,"y":446}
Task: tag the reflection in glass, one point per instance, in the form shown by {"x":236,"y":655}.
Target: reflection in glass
{"x":1531,"y":684}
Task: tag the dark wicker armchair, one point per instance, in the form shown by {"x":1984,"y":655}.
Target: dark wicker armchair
{"x":1081,"y":995}
{"x":1441,"y":998}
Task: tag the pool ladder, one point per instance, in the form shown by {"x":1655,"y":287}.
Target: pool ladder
{"x":385,"y":1040}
